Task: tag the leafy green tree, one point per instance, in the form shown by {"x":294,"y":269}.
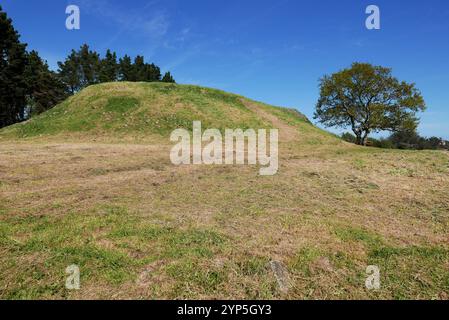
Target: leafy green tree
{"x":410,"y":139}
{"x":13,"y":86}
{"x":406,"y":139}
{"x":434,"y":143}
{"x":383,"y":143}
{"x":108,"y":67}
{"x":168,"y":78}
{"x":368,"y":99}
{"x":45,"y":90}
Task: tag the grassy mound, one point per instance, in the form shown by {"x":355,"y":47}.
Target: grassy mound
{"x":146,"y":109}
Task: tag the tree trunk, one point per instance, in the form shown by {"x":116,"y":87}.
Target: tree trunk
{"x":365,"y":138}
{"x":364,"y":141}
{"x":361,"y":139}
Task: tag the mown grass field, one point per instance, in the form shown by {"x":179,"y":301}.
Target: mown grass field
{"x":91,"y":183}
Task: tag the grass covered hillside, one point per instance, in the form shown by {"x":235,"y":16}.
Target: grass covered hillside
{"x":90,"y":183}
{"x":143,"y":110}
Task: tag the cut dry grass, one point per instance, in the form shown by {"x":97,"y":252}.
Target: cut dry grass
{"x":139,"y":227}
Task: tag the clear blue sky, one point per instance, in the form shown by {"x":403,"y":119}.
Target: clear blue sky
{"x":273,"y":51}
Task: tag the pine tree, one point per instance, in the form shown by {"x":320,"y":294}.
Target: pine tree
{"x":144,"y":72}
{"x":45,"y":90}
{"x":153,"y":73}
{"x":168,"y":78}
{"x":109,"y":68}
{"x":89,"y":62}
{"x":70,"y":73}
{"x":13,"y":87}
{"x":126,"y":70}
{"x":139,"y":69}
{"x":80,"y":69}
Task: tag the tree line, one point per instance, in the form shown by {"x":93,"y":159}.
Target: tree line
{"x":28,"y":86}
{"x":85,"y":67}
{"x":406,"y":140}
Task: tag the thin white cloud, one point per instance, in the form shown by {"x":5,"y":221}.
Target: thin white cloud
{"x":157,"y":26}
{"x":149,"y":21}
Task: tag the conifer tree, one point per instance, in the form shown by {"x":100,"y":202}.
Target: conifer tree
{"x":153,"y":73}
{"x":13,"y":86}
{"x":70,"y":73}
{"x":139,"y":68}
{"x":45,"y":90}
{"x":109,"y":67}
{"x":168,"y":78}
{"x":89,"y":62}
{"x":126,"y":70}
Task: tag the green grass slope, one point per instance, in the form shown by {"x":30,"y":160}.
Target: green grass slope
{"x":155,"y":109}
